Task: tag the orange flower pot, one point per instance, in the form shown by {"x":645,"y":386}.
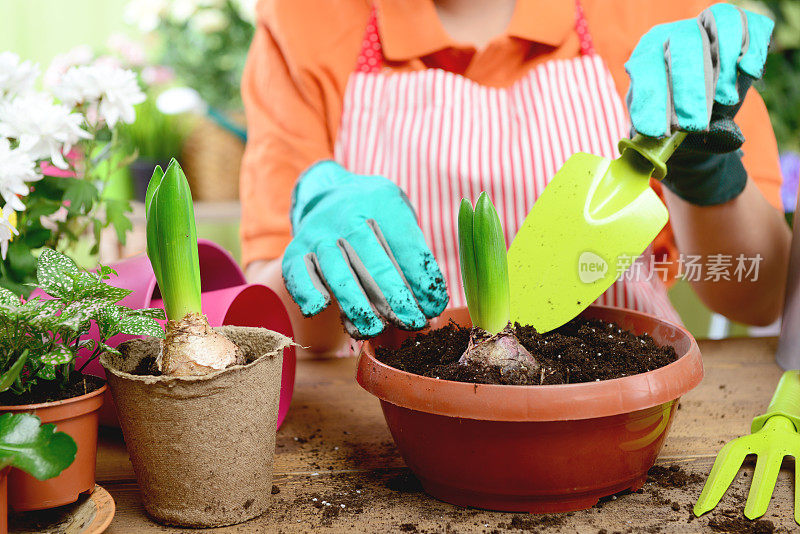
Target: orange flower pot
{"x":78,"y":417}
{"x":539,"y":449}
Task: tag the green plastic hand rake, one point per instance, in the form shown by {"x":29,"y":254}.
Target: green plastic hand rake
{"x":774,"y":436}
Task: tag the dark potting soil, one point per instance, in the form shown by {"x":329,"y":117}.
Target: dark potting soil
{"x":147,"y":366}
{"x":583,"y":350}
{"x":52,"y":390}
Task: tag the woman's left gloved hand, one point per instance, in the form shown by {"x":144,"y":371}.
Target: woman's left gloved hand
{"x":692,"y":75}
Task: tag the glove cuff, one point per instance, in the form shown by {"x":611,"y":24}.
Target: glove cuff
{"x":313,"y":183}
{"x":706,"y":179}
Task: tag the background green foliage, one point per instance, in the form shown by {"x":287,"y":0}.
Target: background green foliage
{"x":210,"y":62}
{"x":780,"y":86}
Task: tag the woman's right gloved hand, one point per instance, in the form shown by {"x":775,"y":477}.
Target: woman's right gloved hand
{"x":357,"y":238}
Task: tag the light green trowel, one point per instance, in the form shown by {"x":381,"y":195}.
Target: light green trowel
{"x":774,"y":436}
{"x":592,"y":220}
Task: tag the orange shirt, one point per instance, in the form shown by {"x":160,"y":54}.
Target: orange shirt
{"x":304,"y":51}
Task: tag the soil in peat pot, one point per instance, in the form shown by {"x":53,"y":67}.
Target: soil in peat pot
{"x":583,"y":350}
{"x":53,"y":390}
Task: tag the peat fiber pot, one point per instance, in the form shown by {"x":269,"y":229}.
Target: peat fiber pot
{"x":78,"y":417}
{"x":539,"y":449}
{"x":202,"y":447}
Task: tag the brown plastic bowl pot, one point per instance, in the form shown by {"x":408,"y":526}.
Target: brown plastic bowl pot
{"x":534,"y":448}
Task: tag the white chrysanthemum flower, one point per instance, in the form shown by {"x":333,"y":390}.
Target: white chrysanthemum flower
{"x":16,"y":77}
{"x":79,"y":55}
{"x":246,"y":9}
{"x":113,"y":91}
{"x":209,"y":21}
{"x":16,"y":169}
{"x":146,"y":14}
{"x":43,"y":128}
{"x":7,"y":229}
{"x":181,"y":10}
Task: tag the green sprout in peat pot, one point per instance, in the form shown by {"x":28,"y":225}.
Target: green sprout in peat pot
{"x":191,"y":347}
{"x":484,"y":271}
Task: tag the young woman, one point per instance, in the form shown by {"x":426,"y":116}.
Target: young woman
{"x":369,"y":121}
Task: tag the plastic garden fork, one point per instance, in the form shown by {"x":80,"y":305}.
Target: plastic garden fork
{"x":774,"y":436}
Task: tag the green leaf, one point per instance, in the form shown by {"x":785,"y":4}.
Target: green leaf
{"x":85,"y":310}
{"x":150,"y":215}
{"x":466,"y":257}
{"x":117,"y":216}
{"x":491,"y":265}
{"x":60,"y":355}
{"x":105,"y":272}
{"x":109,"y":349}
{"x":47,"y":372}
{"x":107,"y":320}
{"x":172,"y":243}
{"x":55,"y":272}
{"x":138,"y":325}
{"x":8,"y":378}
{"x":38,"y":450}
{"x":153,"y":313}
{"x":82,"y":195}
{"x":20,"y":258}
{"x":484,"y":265}
{"x":8,"y":298}
{"x":46,"y":314}
{"x":90,"y":286}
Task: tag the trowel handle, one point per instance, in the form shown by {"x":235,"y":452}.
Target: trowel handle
{"x":656,"y":150}
{"x":785,"y":401}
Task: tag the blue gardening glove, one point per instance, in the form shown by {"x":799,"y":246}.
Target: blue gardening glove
{"x":357,"y":237}
{"x":692,"y":75}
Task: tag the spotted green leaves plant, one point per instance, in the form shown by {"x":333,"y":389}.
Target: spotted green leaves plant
{"x":40,"y":338}
{"x":34,"y":448}
{"x":484,"y":265}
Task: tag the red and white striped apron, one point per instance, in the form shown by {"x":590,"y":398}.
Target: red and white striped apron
{"x":440,"y":137}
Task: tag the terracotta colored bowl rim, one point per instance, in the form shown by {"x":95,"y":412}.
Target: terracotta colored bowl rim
{"x":53,"y":404}
{"x":537,"y":403}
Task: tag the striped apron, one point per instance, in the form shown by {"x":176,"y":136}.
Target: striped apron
{"x":440,"y":137}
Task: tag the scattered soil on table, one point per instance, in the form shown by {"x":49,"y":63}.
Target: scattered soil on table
{"x":739,"y":524}
{"x":52,"y":390}
{"x":672,"y":477}
{"x":533,"y":523}
{"x":580,"y":351}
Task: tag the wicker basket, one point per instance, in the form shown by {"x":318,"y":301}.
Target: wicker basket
{"x":211,"y":159}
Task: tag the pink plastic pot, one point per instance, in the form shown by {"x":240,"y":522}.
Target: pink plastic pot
{"x":534,"y":448}
{"x":227,"y":299}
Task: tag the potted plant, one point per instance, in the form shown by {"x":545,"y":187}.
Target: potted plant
{"x":499,"y":416}
{"x":199,"y":409}
{"x":154,"y":136}
{"x":59,"y":151}
{"x":29,"y":446}
{"x":39,"y":341}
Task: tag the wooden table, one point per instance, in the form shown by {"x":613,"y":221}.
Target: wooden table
{"x":335,"y":447}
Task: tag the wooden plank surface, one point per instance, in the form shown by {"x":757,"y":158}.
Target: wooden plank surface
{"x":335,"y":447}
